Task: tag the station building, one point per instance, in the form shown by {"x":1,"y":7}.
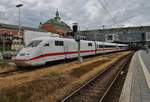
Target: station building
{"x":130,"y":35}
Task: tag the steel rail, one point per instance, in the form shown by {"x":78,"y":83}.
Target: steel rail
{"x":113,"y":81}
{"x":92,"y":79}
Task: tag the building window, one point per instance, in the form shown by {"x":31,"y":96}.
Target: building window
{"x":59,"y":43}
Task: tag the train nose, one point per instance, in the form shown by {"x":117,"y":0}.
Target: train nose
{"x":23,"y":59}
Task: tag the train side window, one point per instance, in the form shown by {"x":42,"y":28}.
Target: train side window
{"x":110,"y":46}
{"x":106,"y":46}
{"x":59,"y":43}
{"x":47,"y":44}
{"x":34,"y":43}
{"x":100,"y":46}
{"x":89,"y":44}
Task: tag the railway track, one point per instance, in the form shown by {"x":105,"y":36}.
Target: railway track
{"x":97,"y":88}
{"x":8,"y":73}
{"x":17,"y":71}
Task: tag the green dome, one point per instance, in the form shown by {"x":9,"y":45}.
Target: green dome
{"x":56,"y":21}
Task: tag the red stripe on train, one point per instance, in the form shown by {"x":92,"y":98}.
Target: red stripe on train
{"x":55,"y":54}
{"x":62,"y":53}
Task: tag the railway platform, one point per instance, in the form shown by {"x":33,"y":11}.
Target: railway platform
{"x":137,"y":84}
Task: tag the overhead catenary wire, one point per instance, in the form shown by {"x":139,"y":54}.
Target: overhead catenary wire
{"x":103,"y":4}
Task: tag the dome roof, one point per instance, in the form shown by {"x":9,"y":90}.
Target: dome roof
{"x":58,"y":24}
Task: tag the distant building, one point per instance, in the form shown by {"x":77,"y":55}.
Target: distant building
{"x":135,"y":35}
{"x":56,"y":25}
{"x":10,"y":38}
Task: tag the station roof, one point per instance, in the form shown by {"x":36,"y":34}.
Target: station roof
{"x":122,"y":29}
{"x":9,"y":26}
{"x":58,"y":25}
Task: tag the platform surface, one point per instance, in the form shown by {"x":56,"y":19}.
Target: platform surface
{"x":137,"y":84}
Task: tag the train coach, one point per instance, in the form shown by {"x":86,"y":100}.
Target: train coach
{"x":46,"y":49}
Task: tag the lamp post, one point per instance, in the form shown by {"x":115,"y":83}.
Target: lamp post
{"x":19,"y":23}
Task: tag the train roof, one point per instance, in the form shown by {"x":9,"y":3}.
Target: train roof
{"x":122,"y":45}
{"x":57,"y":38}
{"x":106,"y":43}
{"x":48,"y":38}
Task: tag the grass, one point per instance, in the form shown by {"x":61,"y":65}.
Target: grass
{"x":34,"y":90}
{"x":5,"y":66}
{"x":78,"y":72}
{"x":51,"y":84}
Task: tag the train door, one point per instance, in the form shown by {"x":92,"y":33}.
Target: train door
{"x":58,"y":49}
{"x":66,"y":48}
{"x":72,"y":49}
{"x":45,"y":51}
{"x":95,"y":47}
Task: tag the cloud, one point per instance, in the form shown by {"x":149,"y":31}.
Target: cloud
{"x":88,"y":13}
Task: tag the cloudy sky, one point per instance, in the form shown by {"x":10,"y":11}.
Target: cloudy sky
{"x":89,"y":14}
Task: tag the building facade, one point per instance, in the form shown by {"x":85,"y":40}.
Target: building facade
{"x":137,"y":35}
{"x":10,"y":38}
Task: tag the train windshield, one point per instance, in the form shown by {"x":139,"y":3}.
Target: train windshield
{"x":34,"y":43}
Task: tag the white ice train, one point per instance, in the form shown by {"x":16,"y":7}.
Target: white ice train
{"x":45,"y":49}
